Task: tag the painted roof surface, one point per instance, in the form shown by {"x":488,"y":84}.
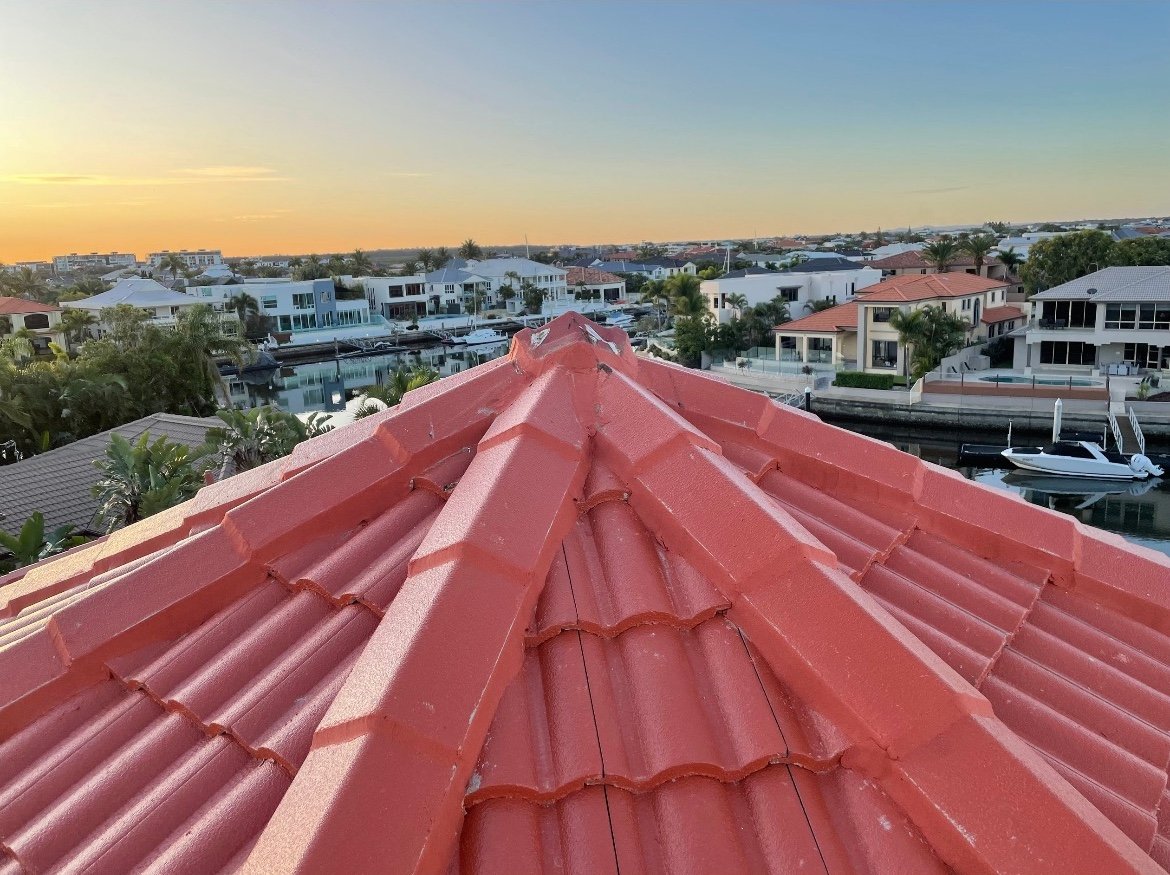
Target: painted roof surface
{"x":1000,"y":314}
{"x":499,"y":628}
{"x":1114,"y":284}
{"x":914,"y":259}
{"x":58,"y":483}
{"x":925,"y":287}
{"x":20,"y":306}
{"x":832,"y":320}
{"x":137,"y":292}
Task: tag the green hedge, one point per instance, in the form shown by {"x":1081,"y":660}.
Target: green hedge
{"x":861,"y":380}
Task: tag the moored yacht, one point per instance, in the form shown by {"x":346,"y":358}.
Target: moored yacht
{"x":1082,"y":459}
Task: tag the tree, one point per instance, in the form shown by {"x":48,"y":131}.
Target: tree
{"x":410,"y":267}
{"x":336,"y":265}
{"x":85,"y":287}
{"x":693,"y":335}
{"x":1010,"y":259}
{"x":32,"y":544}
{"x":686,"y":297}
{"x":251,"y":438}
{"x":650,"y":250}
{"x":310,"y":268}
{"x":27,"y":283}
{"x":927,"y":335}
{"x":77,"y":323}
{"x":1148,"y":251}
{"x":533,"y":296}
{"x":426,"y":258}
{"x":999,"y":228}
{"x":244,"y":304}
{"x":879,"y":238}
{"x":978,"y":247}
{"x":941,"y":253}
{"x":737,"y":301}
{"x":174,"y":263}
{"x":140,"y":479}
{"x":1058,"y":260}
{"x":442,"y":256}
{"x":470,"y":250}
{"x":360,"y":264}
{"x":388,"y":394}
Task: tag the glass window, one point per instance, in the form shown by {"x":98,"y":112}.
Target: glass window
{"x":882,"y":314}
{"x":1060,"y":352}
{"x":303,"y":301}
{"x":885,"y":354}
{"x":268,"y":303}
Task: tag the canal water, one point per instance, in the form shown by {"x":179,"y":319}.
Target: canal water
{"x":1139,"y":511}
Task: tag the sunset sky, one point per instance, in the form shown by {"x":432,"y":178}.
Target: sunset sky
{"x":264,"y":127}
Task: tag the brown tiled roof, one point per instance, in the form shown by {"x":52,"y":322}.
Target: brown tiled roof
{"x":21,"y":305}
{"x":500,"y":628}
{"x":843,"y":317}
{"x":590,"y":276}
{"x":925,"y":287}
{"x":914,"y":259}
{"x":1000,"y":314}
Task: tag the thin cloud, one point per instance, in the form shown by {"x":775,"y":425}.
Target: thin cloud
{"x":938,"y":190}
{"x":197,"y":176}
{"x":228,"y":171}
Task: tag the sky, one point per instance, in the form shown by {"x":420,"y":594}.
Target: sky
{"x":317,"y":127}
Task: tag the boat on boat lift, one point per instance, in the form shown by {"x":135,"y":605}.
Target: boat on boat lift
{"x":477,"y":337}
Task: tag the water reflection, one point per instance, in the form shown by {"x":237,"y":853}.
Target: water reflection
{"x":1137,"y":510}
{"x":327,"y":385}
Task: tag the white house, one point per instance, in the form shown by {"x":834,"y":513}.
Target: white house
{"x":309,"y":308}
{"x":651,"y":268}
{"x":513,"y":272}
{"x":1118,"y":316}
{"x":800,"y":286}
{"x":591,"y":284}
{"x":193,"y":258}
{"x":160,"y":303}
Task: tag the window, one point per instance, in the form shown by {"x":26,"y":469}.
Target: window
{"x":303,"y":301}
{"x":285,"y":323}
{"x":1060,"y":352}
{"x":790,"y":295}
{"x":449,"y":289}
{"x":882,"y":314}
{"x":885,"y":354}
{"x":36,"y":320}
{"x":1068,"y":314}
{"x":268,"y":303}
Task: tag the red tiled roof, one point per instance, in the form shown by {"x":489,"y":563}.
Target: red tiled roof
{"x":1000,"y":314}
{"x":925,"y":287}
{"x":841,"y":317}
{"x":500,"y":628}
{"x":914,"y":259}
{"x":590,"y":276}
{"x":20,"y":305}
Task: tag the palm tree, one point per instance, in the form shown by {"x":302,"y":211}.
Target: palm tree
{"x":309,"y":268}
{"x":336,"y":265}
{"x":1010,"y":259}
{"x":470,"y":250}
{"x":204,"y":343}
{"x":737,"y":301}
{"x":410,"y":267}
{"x":360,"y":263}
{"x":941,"y":253}
{"x":76,"y":323}
{"x":388,"y":394}
{"x":27,"y":283}
{"x":174,"y":263}
{"x":686,"y":299}
{"x":910,"y":326}
{"x":442,"y":256}
{"x":244,"y":304}
{"x":143,"y":478}
{"x":978,"y":247}
{"x":86,"y":287}
{"x":255,"y":437}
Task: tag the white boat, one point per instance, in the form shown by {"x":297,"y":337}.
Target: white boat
{"x":1082,"y":459}
{"x":618,"y":318}
{"x":480,"y":336}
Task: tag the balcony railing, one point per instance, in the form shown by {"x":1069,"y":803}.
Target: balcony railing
{"x":1058,"y":325}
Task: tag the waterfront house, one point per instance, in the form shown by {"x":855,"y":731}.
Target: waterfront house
{"x":299,"y":306}
{"x":591,"y":284}
{"x":867,"y":334}
{"x":161,"y":304}
{"x":500,"y":272}
{"x":802,"y":285}
{"x":1117,"y":318}
{"x":43,"y":320}
{"x":499,"y":628}
{"x":662,"y":268}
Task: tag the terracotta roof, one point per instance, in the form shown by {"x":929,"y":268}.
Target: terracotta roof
{"x":925,"y":287}
{"x":914,"y":259}
{"x":501,"y":628}
{"x":590,"y":276}
{"x":21,"y":305}
{"x":841,"y":317}
{"x":1000,"y":314}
